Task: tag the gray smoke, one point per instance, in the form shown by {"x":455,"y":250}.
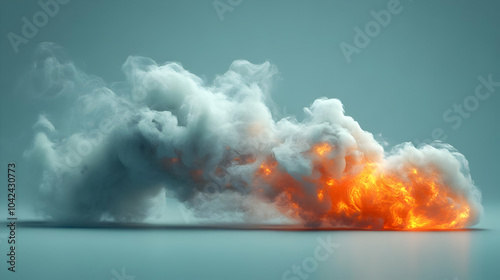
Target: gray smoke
{"x":109,"y":151}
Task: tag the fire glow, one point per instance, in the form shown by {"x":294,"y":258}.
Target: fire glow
{"x":218,"y":150}
{"x":413,"y":201}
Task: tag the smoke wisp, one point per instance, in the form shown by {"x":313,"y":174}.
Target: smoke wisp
{"x":113,"y":151}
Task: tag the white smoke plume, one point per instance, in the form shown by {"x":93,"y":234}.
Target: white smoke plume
{"x":110,"y":150}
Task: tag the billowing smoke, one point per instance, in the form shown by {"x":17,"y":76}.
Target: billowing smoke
{"x":110,"y":151}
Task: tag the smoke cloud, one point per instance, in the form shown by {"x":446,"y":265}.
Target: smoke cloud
{"x":112,"y":151}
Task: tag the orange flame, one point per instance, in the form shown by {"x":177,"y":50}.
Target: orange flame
{"x":372,"y":198}
{"x":322,"y":149}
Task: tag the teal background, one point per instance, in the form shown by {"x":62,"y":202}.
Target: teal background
{"x":427,"y":59}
